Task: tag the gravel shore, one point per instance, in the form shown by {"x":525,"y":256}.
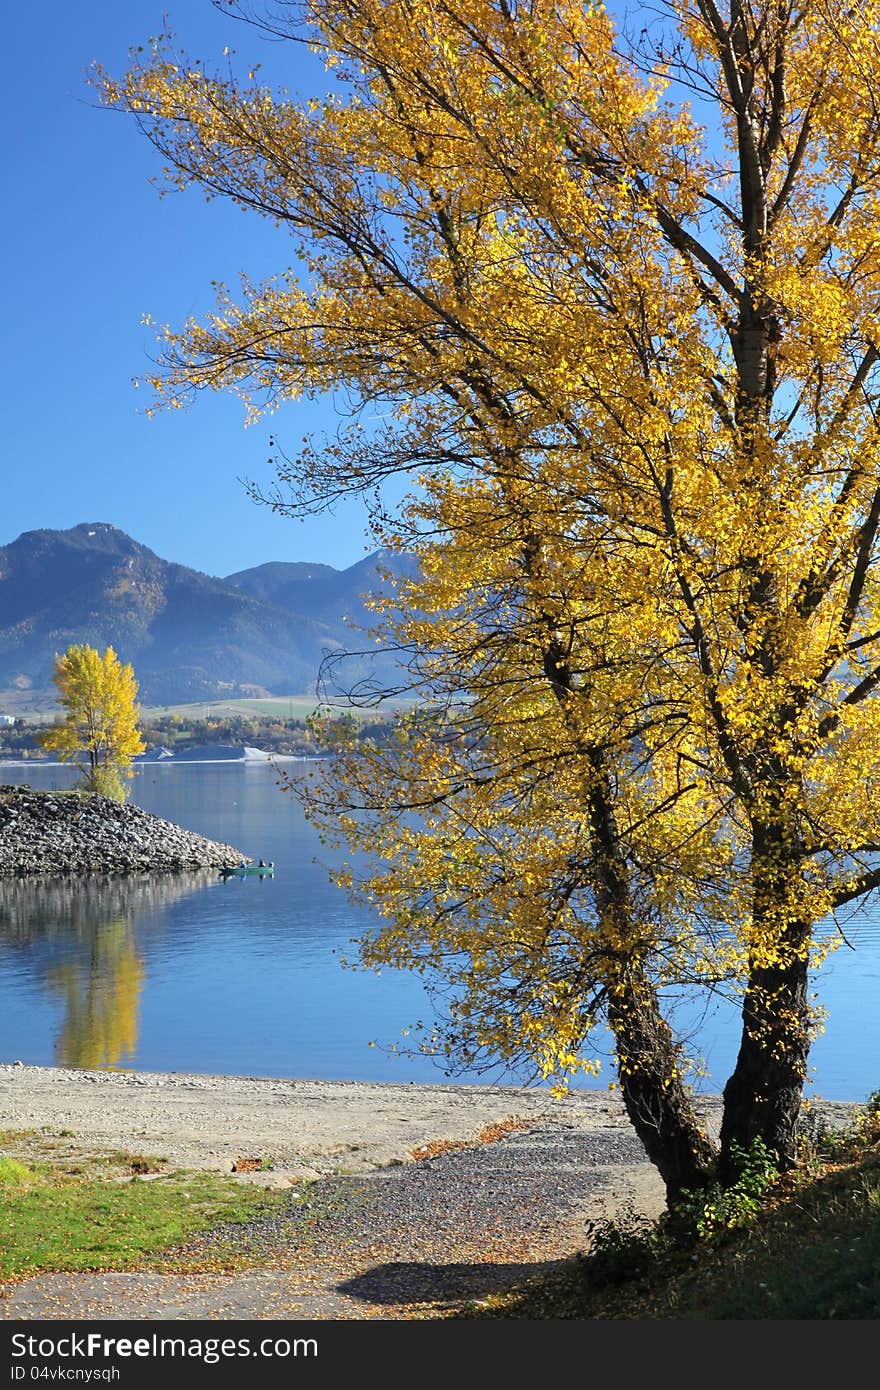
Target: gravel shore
{"x":304,"y":1127}
{"x":438,"y":1193}
{"x":63,"y":833}
{"x":311,"y":1128}
{"x":407,"y":1241}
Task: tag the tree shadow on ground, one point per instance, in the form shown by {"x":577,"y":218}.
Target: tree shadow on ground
{"x":444,"y":1285}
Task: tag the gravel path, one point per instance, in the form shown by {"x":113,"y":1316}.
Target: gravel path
{"x":407,"y":1241}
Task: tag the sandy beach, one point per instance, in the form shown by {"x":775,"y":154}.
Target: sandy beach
{"x":305,"y":1128}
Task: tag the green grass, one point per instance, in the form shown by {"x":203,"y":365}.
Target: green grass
{"x":64,"y":1210}
{"x":46,"y":708}
{"x":271,"y":707}
{"x":280,"y":707}
{"x":811,"y":1252}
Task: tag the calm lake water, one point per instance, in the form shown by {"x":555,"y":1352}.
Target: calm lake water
{"x":190,"y":973}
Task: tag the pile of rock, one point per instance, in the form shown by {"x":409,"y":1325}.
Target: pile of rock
{"x":67,"y":833}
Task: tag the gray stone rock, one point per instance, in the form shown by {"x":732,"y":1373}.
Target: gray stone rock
{"x":51,"y":834}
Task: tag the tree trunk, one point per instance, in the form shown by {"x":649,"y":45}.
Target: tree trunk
{"x":656,"y":1099}
{"x":649,"y":1062}
{"x":762,"y":1098}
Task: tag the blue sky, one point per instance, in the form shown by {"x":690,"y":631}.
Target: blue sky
{"x":89,"y":248}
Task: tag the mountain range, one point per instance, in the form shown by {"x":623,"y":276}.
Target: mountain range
{"x":189,"y":636}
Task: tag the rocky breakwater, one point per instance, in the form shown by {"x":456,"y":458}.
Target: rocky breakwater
{"x":71,"y":833}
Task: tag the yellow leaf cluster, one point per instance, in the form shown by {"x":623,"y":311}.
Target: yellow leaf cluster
{"x":627,"y":348}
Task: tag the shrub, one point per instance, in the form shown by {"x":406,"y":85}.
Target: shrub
{"x":105,"y":780}
{"x":709,"y":1212}
{"x":628,"y":1245}
{"x":623,"y":1247}
{"x":819,"y":1141}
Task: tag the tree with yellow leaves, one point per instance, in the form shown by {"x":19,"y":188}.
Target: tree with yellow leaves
{"x":621,"y":304}
{"x":99,"y":696}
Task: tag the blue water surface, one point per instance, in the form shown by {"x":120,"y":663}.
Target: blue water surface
{"x":191,"y":973}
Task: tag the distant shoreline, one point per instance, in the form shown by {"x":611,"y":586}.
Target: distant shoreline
{"x":176,"y":762}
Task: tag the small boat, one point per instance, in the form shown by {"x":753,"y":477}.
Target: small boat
{"x":242,"y":870}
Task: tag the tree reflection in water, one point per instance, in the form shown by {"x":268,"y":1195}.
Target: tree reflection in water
{"x":101,"y":997}
{"x":80,"y":932}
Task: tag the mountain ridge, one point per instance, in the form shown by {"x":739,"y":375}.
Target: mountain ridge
{"x":188,"y":635}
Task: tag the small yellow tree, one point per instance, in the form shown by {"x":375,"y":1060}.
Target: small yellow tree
{"x":99,"y":696}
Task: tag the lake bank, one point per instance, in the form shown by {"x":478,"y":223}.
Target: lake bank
{"x":509,"y":1180}
{"x":347,"y":1239}
{"x":302,"y":1127}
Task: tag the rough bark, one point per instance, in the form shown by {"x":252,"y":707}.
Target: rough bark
{"x":649,"y":1062}
{"x":657,"y":1102}
{"x":762,"y":1098}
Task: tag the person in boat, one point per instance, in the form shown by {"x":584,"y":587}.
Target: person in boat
{"x":262,"y":864}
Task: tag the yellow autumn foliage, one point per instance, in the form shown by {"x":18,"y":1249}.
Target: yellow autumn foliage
{"x":99,"y":697}
{"x":617,"y":307}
